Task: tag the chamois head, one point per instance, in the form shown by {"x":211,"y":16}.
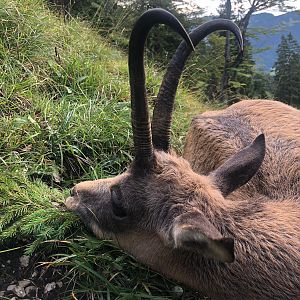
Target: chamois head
{"x":157,"y":207}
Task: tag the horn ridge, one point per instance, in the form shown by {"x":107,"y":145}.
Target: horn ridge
{"x":139,"y":105}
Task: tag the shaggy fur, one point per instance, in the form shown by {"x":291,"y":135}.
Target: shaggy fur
{"x":267,"y":241}
{"x":166,"y":209}
{"x":215,"y":136}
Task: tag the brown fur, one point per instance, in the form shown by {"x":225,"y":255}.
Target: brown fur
{"x":215,"y":136}
{"x":266,"y":234}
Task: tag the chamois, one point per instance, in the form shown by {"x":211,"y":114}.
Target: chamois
{"x":201,"y":230}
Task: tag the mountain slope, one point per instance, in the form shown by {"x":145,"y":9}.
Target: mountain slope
{"x":268,"y":30}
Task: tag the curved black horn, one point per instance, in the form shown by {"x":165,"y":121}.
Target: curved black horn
{"x":139,"y":106}
{"x":162,"y":114}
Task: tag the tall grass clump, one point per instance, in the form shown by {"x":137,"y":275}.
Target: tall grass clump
{"x":64,"y":118}
{"x":58,"y":83}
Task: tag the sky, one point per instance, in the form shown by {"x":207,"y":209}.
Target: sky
{"x":212,"y":5}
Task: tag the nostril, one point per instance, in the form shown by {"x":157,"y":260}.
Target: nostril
{"x":72,"y":192}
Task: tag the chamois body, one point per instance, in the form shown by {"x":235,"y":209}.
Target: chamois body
{"x":207,"y":231}
{"x":266,"y":233}
{"x":216,"y":135}
{"x":267,"y":240}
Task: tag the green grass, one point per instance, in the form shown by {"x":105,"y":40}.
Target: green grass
{"x":64,"y":118}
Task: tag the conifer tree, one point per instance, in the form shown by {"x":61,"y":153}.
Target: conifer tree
{"x":241,"y":12}
{"x":287,"y":71}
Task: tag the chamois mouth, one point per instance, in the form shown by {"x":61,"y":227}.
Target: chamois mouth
{"x":72,"y":203}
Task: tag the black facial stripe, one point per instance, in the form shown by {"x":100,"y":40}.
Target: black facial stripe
{"x":117,"y":202}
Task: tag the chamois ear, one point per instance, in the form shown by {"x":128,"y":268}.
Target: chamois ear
{"x":241,"y":167}
{"x":194,"y":232}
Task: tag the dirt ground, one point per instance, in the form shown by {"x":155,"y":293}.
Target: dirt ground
{"x":24,"y":278}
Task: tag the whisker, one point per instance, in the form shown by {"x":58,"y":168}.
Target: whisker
{"x":91,"y":212}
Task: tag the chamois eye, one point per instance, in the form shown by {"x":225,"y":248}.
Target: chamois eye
{"x":117,"y":203}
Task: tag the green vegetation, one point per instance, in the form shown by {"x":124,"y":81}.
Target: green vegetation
{"x":65,"y":117}
{"x":215,"y":70}
{"x":287,"y":75}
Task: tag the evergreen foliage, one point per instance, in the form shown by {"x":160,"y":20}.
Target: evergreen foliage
{"x":240,"y":76}
{"x":261,"y":85}
{"x":287,"y":74}
{"x":233,"y":84}
{"x":30,"y":212}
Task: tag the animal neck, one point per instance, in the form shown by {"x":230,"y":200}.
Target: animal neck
{"x":244,"y":220}
{"x":208,"y":199}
